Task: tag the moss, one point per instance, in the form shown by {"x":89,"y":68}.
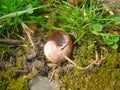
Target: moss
{"x":105,"y":77}
{"x":83,"y":55}
{"x":9,"y":82}
{"x":12,"y":60}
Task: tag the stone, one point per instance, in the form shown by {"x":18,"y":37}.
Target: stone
{"x":42,"y":83}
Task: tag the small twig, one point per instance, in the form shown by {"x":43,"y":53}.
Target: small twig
{"x":26,"y":29}
{"x":91,"y":64}
{"x":10,"y":41}
{"x":102,"y":58}
{"x":71,"y":62}
{"x":87,"y":67}
{"x":53,"y":72}
{"x":108,"y":9}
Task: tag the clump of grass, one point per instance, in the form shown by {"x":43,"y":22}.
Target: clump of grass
{"x":11,"y":13}
{"x":89,"y":17}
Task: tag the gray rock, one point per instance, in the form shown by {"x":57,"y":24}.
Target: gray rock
{"x":42,"y":83}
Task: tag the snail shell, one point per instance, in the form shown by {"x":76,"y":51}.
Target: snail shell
{"x":58,"y":40}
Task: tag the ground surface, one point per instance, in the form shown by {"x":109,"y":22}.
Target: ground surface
{"x":22,"y":61}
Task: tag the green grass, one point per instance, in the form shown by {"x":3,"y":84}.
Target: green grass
{"x":87,"y":23}
{"x":88,"y":18}
{"x":11,"y":13}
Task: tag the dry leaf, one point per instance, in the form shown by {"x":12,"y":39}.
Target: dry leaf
{"x":112,"y":6}
{"x":75,"y":1}
{"x":32,"y":27}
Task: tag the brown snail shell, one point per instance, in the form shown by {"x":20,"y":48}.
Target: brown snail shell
{"x":59,"y":39}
